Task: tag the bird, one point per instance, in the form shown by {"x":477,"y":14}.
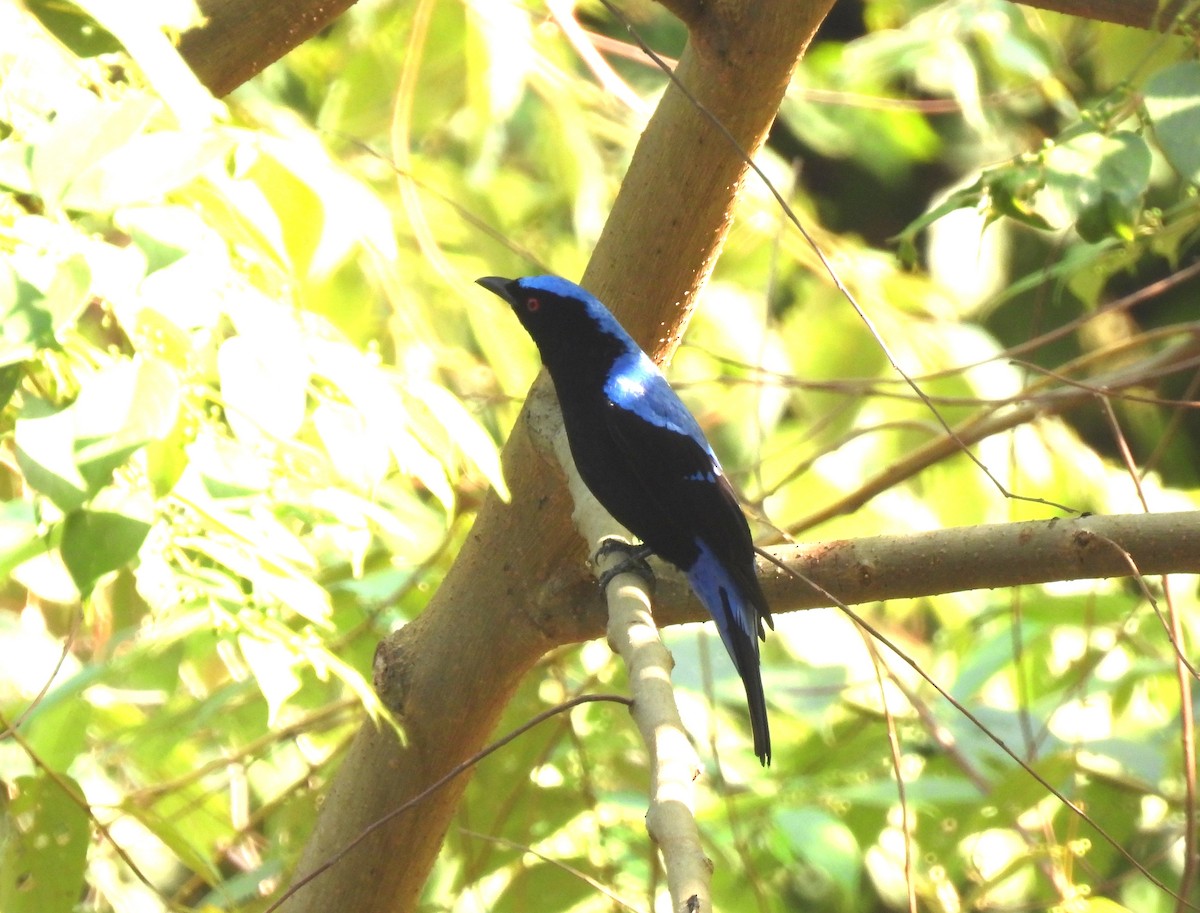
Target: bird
{"x":642,"y":454}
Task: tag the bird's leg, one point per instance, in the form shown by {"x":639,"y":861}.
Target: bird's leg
{"x":633,"y":561}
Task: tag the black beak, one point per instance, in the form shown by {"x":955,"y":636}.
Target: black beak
{"x":498,"y":286}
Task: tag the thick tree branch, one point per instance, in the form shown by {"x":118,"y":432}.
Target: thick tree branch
{"x":1142,"y":14}
{"x":992,"y":556}
{"x":879,"y":568}
{"x":239,"y":39}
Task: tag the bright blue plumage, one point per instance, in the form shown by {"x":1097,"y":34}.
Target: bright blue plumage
{"x":642,"y":454}
{"x":635,"y":383}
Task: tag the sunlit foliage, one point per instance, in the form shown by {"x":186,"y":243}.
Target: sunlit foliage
{"x":251,"y":402}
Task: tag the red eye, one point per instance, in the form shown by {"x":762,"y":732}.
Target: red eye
{"x":532,"y":304}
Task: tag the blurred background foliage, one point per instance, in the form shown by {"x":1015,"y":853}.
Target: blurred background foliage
{"x":251,"y":401}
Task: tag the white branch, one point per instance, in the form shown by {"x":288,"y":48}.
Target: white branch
{"x":633,"y":636}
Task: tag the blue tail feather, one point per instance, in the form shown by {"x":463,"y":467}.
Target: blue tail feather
{"x":739,"y":616}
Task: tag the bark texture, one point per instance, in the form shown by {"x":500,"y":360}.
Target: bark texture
{"x":1142,"y":14}
{"x":987,"y":557}
{"x":239,"y":38}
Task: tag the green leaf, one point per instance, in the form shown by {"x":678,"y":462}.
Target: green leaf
{"x":82,"y":34}
{"x":44,"y":852}
{"x":119,"y":411}
{"x":321,"y":232}
{"x":20,"y":538}
{"x":58,"y":727}
{"x":167,"y":234}
{"x":1011,"y":190}
{"x":14,"y":165}
{"x":1172,"y":99}
{"x":243,"y":889}
{"x":186,"y":821}
{"x":157,"y":335}
{"x":1101,"y":905}
{"x":143,"y":33}
{"x":1095,"y":182}
{"x":30,"y":318}
{"x":69,"y":291}
{"x":144,"y":170}
{"x":274,"y":581}
{"x":296,"y":218}
{"x":541,"y":882}
{"x":69,"y":455}
{"x":273,"y":665}
{"x":96,"y":542}
{"x":372,"y":391}
{"x":25,"y":324}
{"x":964,"y":198}
{"x":829,"y":850}
{"x":82,"y":137}
{"x":45,"y":442}
{"x":464,"y":430}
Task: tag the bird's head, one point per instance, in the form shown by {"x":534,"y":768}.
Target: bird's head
{"x":560,"y":316}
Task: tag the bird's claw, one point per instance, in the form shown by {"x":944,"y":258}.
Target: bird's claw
{"x":633,"y":561}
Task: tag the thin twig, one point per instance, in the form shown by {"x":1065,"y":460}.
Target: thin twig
{"x":7,"y":731}
{"x":906,"y":822}
{"x":81,"y":801}
{"x":1187,"y":722}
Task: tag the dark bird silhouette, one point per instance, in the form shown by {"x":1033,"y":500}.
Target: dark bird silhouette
{"x":642,"y":454}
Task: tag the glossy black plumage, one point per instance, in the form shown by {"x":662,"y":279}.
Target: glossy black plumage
{"x":642,"y":454}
